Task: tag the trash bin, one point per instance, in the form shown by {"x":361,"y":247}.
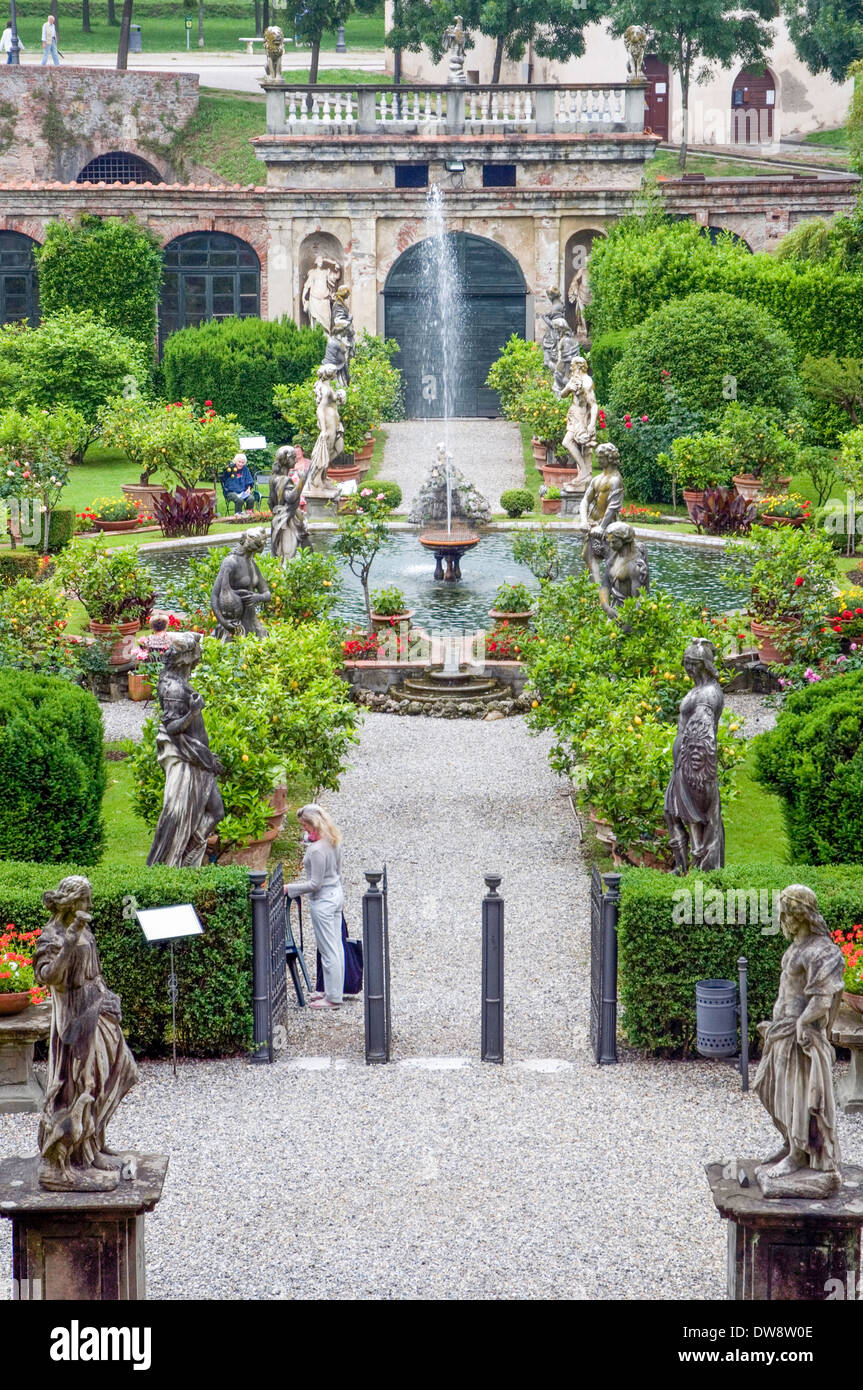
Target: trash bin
{"x":135,"y":38}
{"x":716,"y":1018}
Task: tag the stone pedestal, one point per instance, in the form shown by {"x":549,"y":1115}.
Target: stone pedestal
{"x":79,"y":1245}
{"x":570,"y":498}
{"x":847,"y":1031}
{"x":20,"y":1089}
{"x":785,"y":1248}
{"x":318,"y":500}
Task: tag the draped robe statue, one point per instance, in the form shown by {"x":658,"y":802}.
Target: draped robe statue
{"x":693,"y":812}
{"x":288,"y":530}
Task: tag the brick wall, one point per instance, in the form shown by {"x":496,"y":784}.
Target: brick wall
{"x":53,"y":121}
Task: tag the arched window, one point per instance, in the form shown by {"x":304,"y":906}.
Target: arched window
{"x":19,"y":287}
{"x":119,"y":167}
{"x":208,"y":275}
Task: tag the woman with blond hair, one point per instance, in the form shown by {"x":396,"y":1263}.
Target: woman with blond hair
{"x":322,"y":881}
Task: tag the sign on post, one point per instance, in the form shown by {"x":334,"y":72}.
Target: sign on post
{"x":188,"y":30}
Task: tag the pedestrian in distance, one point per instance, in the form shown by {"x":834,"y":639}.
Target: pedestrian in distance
{"x":49,"y":41}
{"x":6,"y":42}
{"x":322,"y":882}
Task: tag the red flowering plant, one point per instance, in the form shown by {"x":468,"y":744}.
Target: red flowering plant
{"x":361,"y":646}
{"x":850,"y":943}
{"x":16,"y":964}
{"x":505,"y":643}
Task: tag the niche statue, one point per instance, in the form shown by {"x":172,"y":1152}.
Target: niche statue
{"x":90,"y":1067}
{"x":239,"y":589}
{"x":693,"y":812}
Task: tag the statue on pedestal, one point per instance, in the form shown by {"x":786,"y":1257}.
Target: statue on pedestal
{"x":90,"y":1067}
{"x":578,"y":294}
{"x":635,"y":42}
{"x":240,"y":588}
{"x":566,"y":351}
{"x":288,"y":530}
{"x":795,"y":1076}
{"x":330,"y":443}
{"x":454,"y":39}
{"x":274,"y":47}
{"x":627,"y":570}
{"x":318,"y":290}
{"x":548,"y":342}
{"x":600,"y":507}
{"x":343,"y":324}
{"x":580,"y":438}
{"x":192,"y":805}
{"x":693,"y":812}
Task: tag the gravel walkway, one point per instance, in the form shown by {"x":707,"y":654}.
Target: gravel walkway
{"x":436,"y":1176}
{"x":488,"y":452}
{"x":753,"y":711}
{"x":125,"y":718}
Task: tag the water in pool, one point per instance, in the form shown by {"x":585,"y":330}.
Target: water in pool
{"x":683,"y":570}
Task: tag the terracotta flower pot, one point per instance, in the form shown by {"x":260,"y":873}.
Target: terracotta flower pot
{"x":518,"y":619}
{"x":124,"y":639}
{"x":854,"y":1001}
{"x":551,"y":505}
{"x":363,"y":454}
{"x":382,"y":621}
{"x":140,"y":687}
{"x":767,"y":520}
{"x":693,"y":497}
{"x":145,"y":493}
{"x":773,"y":640}
{"x":112,"y":526}
{"x":604,"y":829}
{"x":749,"y":487}
{"x":14,"y":1003}
{"x":279,"y":800}
{"x":253,"y":855}
{"x":779,"y":485}
{"x":540,"y":451}
{"x":555,"y":475}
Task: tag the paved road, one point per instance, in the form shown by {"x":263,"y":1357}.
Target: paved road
{"x":488,"y":453}
{"x":233,"y":72}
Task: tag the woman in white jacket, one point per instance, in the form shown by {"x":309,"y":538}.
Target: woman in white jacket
{"x":322,"y":881}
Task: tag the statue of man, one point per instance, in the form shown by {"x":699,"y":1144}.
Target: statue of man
{"x":288,"y":530}
{"x":340,"y":343}
{"x":239,"y":588}
{"x":627,"y":570}
{"x":321,"y":281}
{"x":600,"y":507}
{"x":580,"y":438}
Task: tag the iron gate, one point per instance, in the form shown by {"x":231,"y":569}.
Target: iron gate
{"x":604,"y":903}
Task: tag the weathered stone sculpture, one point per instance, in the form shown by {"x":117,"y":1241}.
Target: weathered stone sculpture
{"x":90,"y":1067}
{"x":192,"y":805}
{"x":549,"y":338}
{"x":600,"y":508}
{"x":330,"y":443}
{"x":635,"y":42}
{"x":318,"y":290}
{"x":274,"y":47}
{"x":580,"y":438}
{"x":627,"y":570}
{"x":288,"y":530}
{"x":693,"y":812}
{"x":454,"y":39}
{"x":578,"y":294}
{"x":343,"y":326}
{"x":430,"y":504}
{"x":566,"y":351}
{"x":239,"y":589}
{"x":795,"y":1077}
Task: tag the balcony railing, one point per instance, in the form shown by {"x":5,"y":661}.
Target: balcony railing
{"x":577,"y":109}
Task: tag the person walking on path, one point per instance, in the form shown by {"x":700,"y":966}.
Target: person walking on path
{"x":49,"y":41}
{"x":322,"y":867}
{"x":6,"y":42}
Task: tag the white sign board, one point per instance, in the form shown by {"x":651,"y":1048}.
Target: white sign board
{"x":252,"y":441}
{"x":169,"y":923}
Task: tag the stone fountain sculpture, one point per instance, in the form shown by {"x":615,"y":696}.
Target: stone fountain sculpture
{"x":580,"y":438}
{"x":627,"y":570}
{"x":600,"y":508}
{"x":239,"y":589}
{"x":693,"y":811}
{"x":450,"y":507}
{"x":318,"y":290}
{"x":288,"y":529}
{"x":454,"y":39}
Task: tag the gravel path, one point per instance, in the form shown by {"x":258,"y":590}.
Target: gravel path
{"x":753,"y":711}
{"x":125,"y":718}
{"x":488,"y":452}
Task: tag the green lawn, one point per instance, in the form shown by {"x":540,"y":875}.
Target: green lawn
{"x":754,"y":830}
{"x":713,"y":166}
{"x":128,"y":839}
{"x":833,"y":139}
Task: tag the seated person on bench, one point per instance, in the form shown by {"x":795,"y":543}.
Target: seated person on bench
{"x":238,"y":485}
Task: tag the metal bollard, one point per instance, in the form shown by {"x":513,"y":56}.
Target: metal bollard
{"x":374,"y":972}
{"x":492,"y":971}
{"x":742,"y":967}
{"x":610,"y":913}
{"x":263,"y":1043}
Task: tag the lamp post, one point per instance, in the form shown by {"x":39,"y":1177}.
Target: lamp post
{"x":341,"y":46}
{"x":15,"y":45}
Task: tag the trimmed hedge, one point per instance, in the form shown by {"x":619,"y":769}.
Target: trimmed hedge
{"x":605,"y":354}
{"x":660,"y":960}
{"x":214,"y":971}
{"x":17,"y":564}
{"x":112,"y":266}
{"x":52,"y":770}
{"x":60,"y":532}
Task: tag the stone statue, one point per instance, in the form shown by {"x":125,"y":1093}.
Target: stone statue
{"x":288,"y":530}
{"x":239,"y":589}
{"x":274,"y":47}
{"x":580,"y":438}
{"x":578,"y":294}
{"x":330,"y":442}
{"x":627,"y":570}
{"x":90,"y":1067}
{"x":795,"y":1076}
{"x":454,"y":39}
{"x":566,"y":351}
{"x":693,"y":812}
{"x":549,"y":338}
{"x":316,"y":299}
{"x":192,"y":805}
{"x":467,"y":505}
{"x":343,"y":328}
{"x":635,"y":41}
{"x":600,"y":507}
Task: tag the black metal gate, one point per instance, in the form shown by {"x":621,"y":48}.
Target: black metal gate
{"x":604,"y":903}
{"x":270,"y":976}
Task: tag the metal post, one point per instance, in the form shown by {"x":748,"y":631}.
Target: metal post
{"x":374,"y":971}
{"x":492,"y":971}
{"x":610,"y":909}
{"x":14,"y":51}
{"x":341,"y":46}
{"x":744,"y":1022}
{"x":172,"y":990}
{"x":263,"y":1042}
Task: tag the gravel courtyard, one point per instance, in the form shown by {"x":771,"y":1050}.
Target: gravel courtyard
{"x":488,"y":452}
{"x":437,"y":1176}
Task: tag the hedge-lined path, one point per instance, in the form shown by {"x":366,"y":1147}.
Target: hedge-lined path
{"x":488,"y":452}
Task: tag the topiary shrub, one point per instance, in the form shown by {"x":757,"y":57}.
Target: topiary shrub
{"x":392,"y":492}
{"x":61,"y":529}
{"x":71,"y":359}
{"x":516,"y":501}
{"x":112,"y":266}
{"x":52,"y":770}
{"x":17,"y":564}
{"x":813,"y":759}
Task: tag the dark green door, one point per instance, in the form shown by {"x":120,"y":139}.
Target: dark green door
{"x":491,"y":308}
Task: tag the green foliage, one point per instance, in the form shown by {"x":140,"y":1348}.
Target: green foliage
{"x":760,"y":442}
{"x":813,"y":759}
{"x":17,"y":564}
{"x":699,"y":461}
{"x":605,"y":354}
{"x":827,"y":34}
{"x":52,"y":769}
{"x":851,"y":459}
{"x":61,"y":529}
{"x":373,"y":396}
{"x":391,"y":491}
{"x":111,"y":266}
{"x":789,"y":571}
{"x":214,"y":971}
{"x":554,"y":27}
{"x":838,"y":381}
{"x":855,"y":121}
{"x":544,"y":412}
{"x":71,"y":359}
{"x":33,"y":626}
{"x":305,"y":589}
{"x":113,"y":584}
{"x":237,"y":363}
{"x":388,"y":602}
{"x":60,"y":433}
{"x":821,"y":466}
{"x":661,"y":955}
{"x":516,"y":501}
{"x":519,"y":366}
{"x":539,"y":551}
{"x":196,"y":447}
{"x":514,"y":598}
{"x":362,"y":532}
{"x":812,"y":240}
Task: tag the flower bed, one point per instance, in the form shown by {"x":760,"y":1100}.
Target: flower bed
{"x":16,"y":964}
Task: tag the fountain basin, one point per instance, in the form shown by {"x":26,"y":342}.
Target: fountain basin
{"x":448,"y":547}
{"x":438,"y":686}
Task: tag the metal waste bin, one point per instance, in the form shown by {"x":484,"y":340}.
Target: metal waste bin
{"x":716,"y":1018}
{"x":135,"y":38}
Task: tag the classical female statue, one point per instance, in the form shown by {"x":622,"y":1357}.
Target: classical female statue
{"x":192,"y":805}
{"x":239,"y":589}
{"x":600,"y":507}
{"x":693,"y":812}
{"x":566,"y":352}
{"x":330,"y":442}
{"x":288,"y":530}
{"x":795,"y":1076}
{"x":627,"y":570}
{"x":318,"y":290}
{"x":549,"y":338}
{"x":343,"y":325}
{"x":580,"y":438}
{"x":90,"y":1067}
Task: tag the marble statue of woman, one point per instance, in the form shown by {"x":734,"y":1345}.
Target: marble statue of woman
{"x":192,"y":805}
{"x":627,"y":571}
{"x":549,"y":338}
{"x":343,"y":325}
{"x":566,"y":351}
{"x":580,"y":438}
{"x":693,"y":812}
{"x":90,"y":1067}
{"x":330,"y":442}
{"x":318,"y":290}
{"x":288,"y":530}
{"x":795,"y":1076}
{"x":239,"y":589}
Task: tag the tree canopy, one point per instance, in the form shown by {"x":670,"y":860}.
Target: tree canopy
{"x":827,"y":34}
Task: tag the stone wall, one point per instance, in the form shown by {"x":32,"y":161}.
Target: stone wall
{"x":53,"y":121}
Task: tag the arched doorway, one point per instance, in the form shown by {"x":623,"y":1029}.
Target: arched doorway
{"x":753,"y":100}
{"x":19,"y":285}
{"x":208,"y":275}
{"x":576,"y":283}
{"x":119,"y":167}
{"x":491,"y":307}
{"x":656,"y":96}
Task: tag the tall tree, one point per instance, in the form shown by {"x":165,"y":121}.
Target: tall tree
{"x":112,"y":15}
{"x":692,"y":36}
{"x":321,"y":16}
{"x":123,"y":45}
{"x":85,"y":16}
{"x":827,"y":34}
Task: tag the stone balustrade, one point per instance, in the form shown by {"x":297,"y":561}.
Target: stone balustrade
{"x":577,"y":109}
